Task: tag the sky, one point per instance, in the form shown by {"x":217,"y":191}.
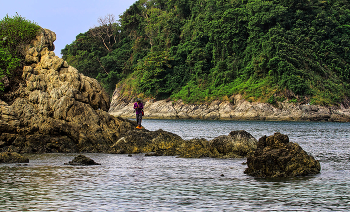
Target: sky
{"x":67,"y":18}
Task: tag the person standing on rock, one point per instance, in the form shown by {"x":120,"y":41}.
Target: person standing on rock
{"x":138,"y":106}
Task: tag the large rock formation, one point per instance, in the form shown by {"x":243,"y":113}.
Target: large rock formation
{"x":55,"y":108}
{"x":276,"y":157}
{"x":160,"y":143}
{"x":235,"y":109}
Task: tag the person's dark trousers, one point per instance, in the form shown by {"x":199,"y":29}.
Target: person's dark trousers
{"x":139,"y":118}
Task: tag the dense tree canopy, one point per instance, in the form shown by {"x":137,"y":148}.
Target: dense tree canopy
{"x":201,"y":50}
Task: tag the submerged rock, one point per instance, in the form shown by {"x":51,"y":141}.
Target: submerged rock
{"x":276,"y":157}
{"x":12,"y":157}
{"x":82,"y":160}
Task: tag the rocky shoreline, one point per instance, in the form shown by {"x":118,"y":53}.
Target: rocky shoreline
{"x":56,"y":109}
{"x":237,"y":109}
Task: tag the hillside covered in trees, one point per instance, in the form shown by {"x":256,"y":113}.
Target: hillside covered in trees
{"x":202,"y":50}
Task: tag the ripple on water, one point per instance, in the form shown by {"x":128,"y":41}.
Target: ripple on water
{"x":142,"y":183}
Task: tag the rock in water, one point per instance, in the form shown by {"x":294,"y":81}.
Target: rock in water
{"x":276,"y":157}
{"x":235,"y":145}
{"x":144,"y":141}
{"x":12,"y":157}
{"x":55,"y":108}
{"x":82,"y":160}
{"x":161,"y":143}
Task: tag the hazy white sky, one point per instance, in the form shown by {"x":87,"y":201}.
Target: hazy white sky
{"x":67,"y":18}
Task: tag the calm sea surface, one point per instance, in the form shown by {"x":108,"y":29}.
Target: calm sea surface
{"x":142,"y":183}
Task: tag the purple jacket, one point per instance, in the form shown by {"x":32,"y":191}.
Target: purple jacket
{"x":138,"y":107}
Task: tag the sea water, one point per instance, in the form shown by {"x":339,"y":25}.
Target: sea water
{"x":140,"y":183}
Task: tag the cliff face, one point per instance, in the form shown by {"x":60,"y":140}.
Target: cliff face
{"x":238,"y":109}
{"x":55,"y":108}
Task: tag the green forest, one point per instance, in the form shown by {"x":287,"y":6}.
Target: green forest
{"x":204,"y":50}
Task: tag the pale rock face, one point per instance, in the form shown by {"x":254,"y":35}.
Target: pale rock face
{"x":57,"y":109}
{"x":238,"y":109}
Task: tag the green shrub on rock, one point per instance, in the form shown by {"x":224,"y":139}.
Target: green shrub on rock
{"x":15,"y":33}
{"x":7,"y":63}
